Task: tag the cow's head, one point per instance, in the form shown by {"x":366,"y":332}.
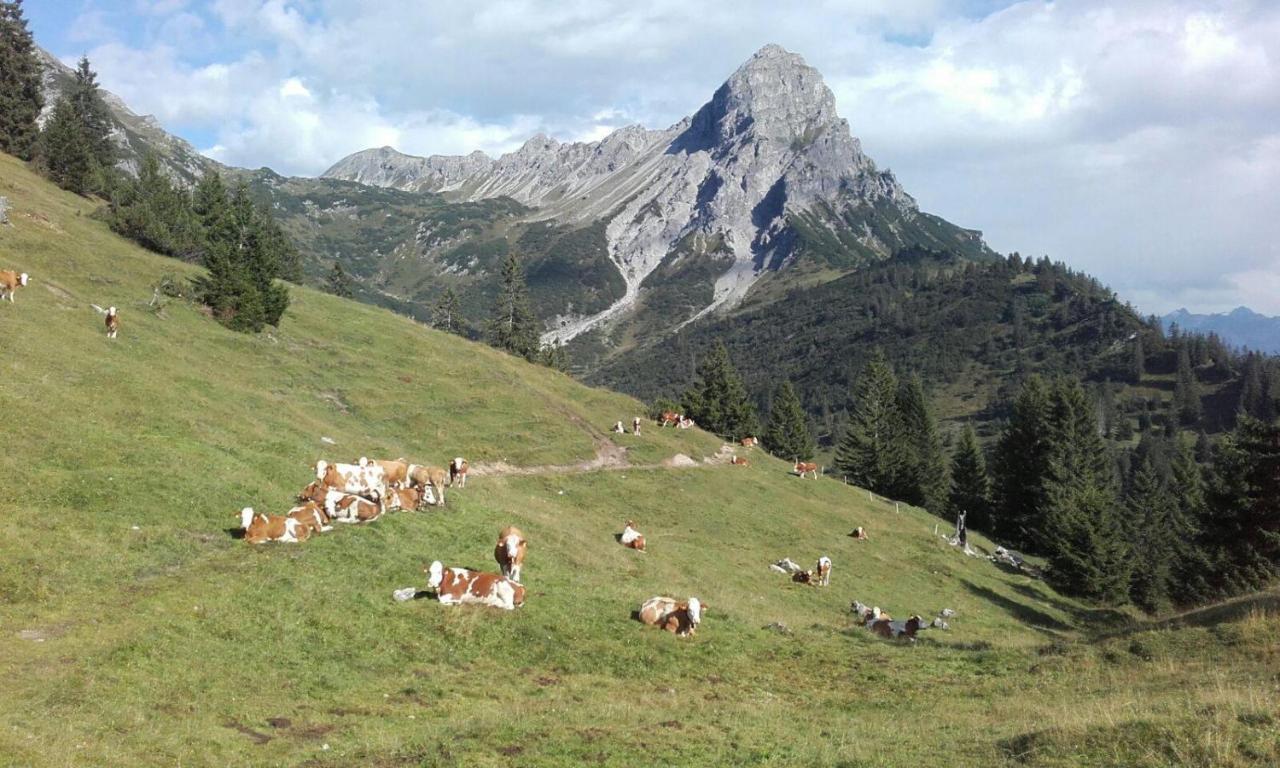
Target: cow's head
{"x":322,"y":467}
{"x":435,"y":574}
{"x":23,"y":279}
{"x":629,"y":524}
{"x":111,"y":311}
{"x":513,"y":543}
{"x":695,"y":610}
{"x":246,"y":517}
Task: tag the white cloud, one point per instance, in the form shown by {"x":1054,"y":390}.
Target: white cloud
{"x":1134,"y":140}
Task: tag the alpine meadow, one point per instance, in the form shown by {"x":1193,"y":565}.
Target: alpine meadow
{"x":696,"y":445}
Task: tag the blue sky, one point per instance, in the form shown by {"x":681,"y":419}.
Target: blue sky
{"x":1137,"y":140}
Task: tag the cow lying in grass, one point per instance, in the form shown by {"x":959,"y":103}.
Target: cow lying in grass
{"x":509,"y":552}
{"x":897,"y":630}
{"x":259,"y":529}
{"x":669,"y":614}
{"x":867,"y":614}
{"x":404,"y":498}
{"x":426,"y":478}
{"x":366,"y":478}
{"x":341,"y":506}
{"x":312,"y":516}
{"x":631,"y":537}
{"x":458,"y":586}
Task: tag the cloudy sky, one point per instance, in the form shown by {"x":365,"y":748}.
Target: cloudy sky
{"x":1136,"y":140}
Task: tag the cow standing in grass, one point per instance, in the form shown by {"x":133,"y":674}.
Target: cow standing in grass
{"x":635,"y":426}
{"x":113,"y":322}
{"x":803,"y":468}
{"x":10,"y":282}
{"x":458,"y":472}
{"x":509,"y":552}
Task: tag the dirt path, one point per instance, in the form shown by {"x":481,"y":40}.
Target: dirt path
{"x":610,"y":457}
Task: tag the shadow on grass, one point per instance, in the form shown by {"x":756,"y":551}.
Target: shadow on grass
{"x":235,"y":533}
{"x":1208,"y":616}
{"x":1094,"y":618}
{"x":1036,"y":619}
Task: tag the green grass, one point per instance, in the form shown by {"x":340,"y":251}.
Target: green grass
{"x":176,"y":644}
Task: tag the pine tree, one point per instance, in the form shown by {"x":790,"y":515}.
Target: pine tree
{"x":445,"y":314}
{"x":1186,"y":392}
{"x":1243,"y":528}
{"x":1079,"y":527}
{"x":1022,"y":465}
{"x":718,"y":402}
{"x":925,"y":482}
{"x":91,"y":111}
{"x":1150,"y":529}
{"x":873,"y":453}
{"x":1138,"y":365}
{"x":21,"y":98}
{"x":339,"y":282}
{"x":512,"y":327}
{"x":153,"y":212}
{"x":1191,"y":566}
{"x":970,"y":484}
{"x":787,"y":435}
{"x":63,"y":152}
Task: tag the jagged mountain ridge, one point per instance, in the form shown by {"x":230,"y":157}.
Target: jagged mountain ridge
{"x":1240,"y":327}
{"x":134,"y":135}
{"x":767,"y":150}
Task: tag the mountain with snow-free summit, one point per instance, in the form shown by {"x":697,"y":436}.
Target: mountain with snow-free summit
{"x":764,"y":175}
{"x":1241,"y":327}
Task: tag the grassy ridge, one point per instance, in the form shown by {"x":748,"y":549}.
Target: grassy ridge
{"x":175,"y":643}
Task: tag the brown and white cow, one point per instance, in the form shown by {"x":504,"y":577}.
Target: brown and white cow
{"x":366,"y":479}
{"x":113,"y":322}
{"x":618,"y":429}
{"x":739,"y":461}
{"x":395,"y":472}
{"x":686,"y":423}
{"x":457,"y":586}
{"x":823,"y":571}
{"x":750,"y":442}
{"x":868,"y":614}
{"x":259,"y":529}
{"x":897,"y":630}
{"x":341,"y":506}
{"x":670,"y":419}
{"x":669,"y":614}
{"x":803,"y":468}
{"x":312,"y":517}
{"x":631,"y":537}
{"x":10,"y":282}
{"x":635,"y":426}
{"x":509,"y":552}
{"x":859,"y":533}
{"x":404,"y":498}
{"x":458,"y":472}
{"x":430,"y":481}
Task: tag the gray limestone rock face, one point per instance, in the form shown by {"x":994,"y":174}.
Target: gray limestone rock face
{"x":769,"y":144}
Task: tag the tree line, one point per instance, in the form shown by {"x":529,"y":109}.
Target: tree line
{"x":244,"y":249}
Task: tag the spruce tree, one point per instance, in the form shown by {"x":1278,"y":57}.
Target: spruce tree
{"x":787,"y":435}
{"x":1022,"y":466}
{"x":339,"y":282}
{"x":1138,"y":363}
{"x":513,"y":328}
{"x":1191,"y":567}
{"x":873,"y":452}
{"x":718,"y":401}
{"x":63,"y":152}
{"x":445,"y":314}
{"x":1244,"y":525}
{"x":154,"y":213}
{"x":1186,"y":392}
{"x":970,"y":484}
{"x":21,"y":98}
{"x":925,"y":482}
{"x":85,"y":98}
{"x":1150,"y":515}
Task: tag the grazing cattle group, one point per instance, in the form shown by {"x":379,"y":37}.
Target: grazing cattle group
{"x":10,"y":282}
{"x":347,"y":493}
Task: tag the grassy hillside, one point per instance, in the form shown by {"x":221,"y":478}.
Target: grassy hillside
{"x":140,"y":631}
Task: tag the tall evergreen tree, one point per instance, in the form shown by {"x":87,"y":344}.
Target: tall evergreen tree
{"x":873,"y":453}
{"x":20,"y":79}
{"x":85,"y":98}
{"x":1186,"y":392}
{"x":1191,"y":566}
{"x":1022,"y":465}
{"x":787,"y":435}
{"x":1243,"y":528}
{"x":155,"y":213}
{"x":970,"y":484}
{"x":63,"y":151}
{"x":1138,"y":362}
{"x":445,"y":315}
{"x":513,"y":328}
{"x":339,"y":282}
{"x":926,"y":482}
{"x":1079,"y":529}
{"x":718,"y":401}
{"x":1150,"y":530}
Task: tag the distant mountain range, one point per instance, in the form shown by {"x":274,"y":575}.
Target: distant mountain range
{"x":1241,"y":327}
